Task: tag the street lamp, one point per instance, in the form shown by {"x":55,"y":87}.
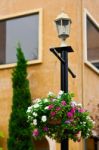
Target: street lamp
{"x":63,"y":23}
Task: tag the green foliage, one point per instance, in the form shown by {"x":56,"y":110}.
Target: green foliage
{"x":19,"y":129}
{"x":59,"y":117}
{"x":1,"y":136}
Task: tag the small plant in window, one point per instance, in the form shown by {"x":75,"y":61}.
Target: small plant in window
{"x":94,"y":112}
{"x":59,"y":117}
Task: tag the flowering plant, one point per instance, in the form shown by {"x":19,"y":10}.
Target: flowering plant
{"x":59,"y":117}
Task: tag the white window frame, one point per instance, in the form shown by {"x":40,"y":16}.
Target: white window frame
{"x":30,"y":62}
{"x":86,"y":13}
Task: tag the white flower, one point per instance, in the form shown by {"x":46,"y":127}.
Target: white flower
{"x":88,"y":118}
{"x":46,"y":100}
{"x":36,"y":105}
{"x":87,"y":134}
{"x":50,"y":94}
{"x":84,"y":123}
{"x":35,"y":114}
{"x":38,"y":100}
{"x":80,"y":105}
{"x":59,"y":96}
{"x":54,"y":100}
{"x":29,"y":109}
{"x":94,"y":133}
{"x":35,"y":122}
{"x":46,"y":107}
{"x":93,"y":122}
{"x":29,"y":117}
{"x":44,"y":118}
{"x":60,"y":92}
{"x":88,"y":130}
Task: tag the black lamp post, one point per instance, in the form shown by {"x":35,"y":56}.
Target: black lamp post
{"x":63,"y":23}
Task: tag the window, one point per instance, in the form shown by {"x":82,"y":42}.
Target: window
{"x":23,"y":29}
{"x":92,"y":42}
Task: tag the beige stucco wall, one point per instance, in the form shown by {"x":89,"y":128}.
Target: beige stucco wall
{"x":45,"y":76}
{"x":90,"y":77}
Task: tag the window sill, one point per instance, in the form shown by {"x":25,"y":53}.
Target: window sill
{"x":92,"y":67}
{"x":6,"y":66}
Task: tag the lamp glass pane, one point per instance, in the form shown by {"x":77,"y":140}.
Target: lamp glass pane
{"x":66,"y":26}
{"x":58,"y":26}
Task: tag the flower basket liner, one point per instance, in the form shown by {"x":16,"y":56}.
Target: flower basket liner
{"x":54,"y":122}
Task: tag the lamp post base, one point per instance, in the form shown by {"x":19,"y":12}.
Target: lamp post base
{"x":64,"y":144}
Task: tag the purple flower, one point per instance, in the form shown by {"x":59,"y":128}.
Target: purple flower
{"x":70,"y":115}
{"x":73,"y":103}
{"x":67,"y":122}
{"x":35,"y":132}
{"x":52,"y":113}
{"x":45,"y":128}
{"x":63,"y":103}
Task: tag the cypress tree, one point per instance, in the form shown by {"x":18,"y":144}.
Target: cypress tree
{"x":19,"y":129}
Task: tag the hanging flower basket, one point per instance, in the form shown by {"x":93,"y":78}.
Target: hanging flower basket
{"x":59,"y":117}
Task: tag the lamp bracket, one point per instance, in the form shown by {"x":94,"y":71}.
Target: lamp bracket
{"x":54,"y":51}
{"x":57,"y":50}
{"x":64,"y":48}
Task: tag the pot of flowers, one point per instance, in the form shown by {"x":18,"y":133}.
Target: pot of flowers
{"x":59,"y":117}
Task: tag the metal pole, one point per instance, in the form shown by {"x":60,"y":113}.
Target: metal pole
{"x":64,"y":71}
{"x":64,"y":77}
{"x":64,"y":87}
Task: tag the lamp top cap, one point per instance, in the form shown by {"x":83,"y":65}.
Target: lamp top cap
{"x":62,"y":15}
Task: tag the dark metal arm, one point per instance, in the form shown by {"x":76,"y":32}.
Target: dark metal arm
{"x":53,"y":50}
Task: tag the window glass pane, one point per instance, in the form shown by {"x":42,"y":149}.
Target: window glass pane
{"x":25,"y":31}
{"x":2,"y":42}
{"x":92,"y":43}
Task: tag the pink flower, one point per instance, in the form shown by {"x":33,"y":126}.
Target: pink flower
{"x":67,"y":121}
{"x":81,"y":110}
{"x":78,"y":136}
{"x":72,"y":110}
{"x":52,"y":113}
{"x":35,"y":132}
{"x":58,"y":108}
{"x":63,"y":103}
{"x":71,"y":120}
{"x":70,"y":115}
{"x":45,"y":128}
{"x":50,"y":106}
